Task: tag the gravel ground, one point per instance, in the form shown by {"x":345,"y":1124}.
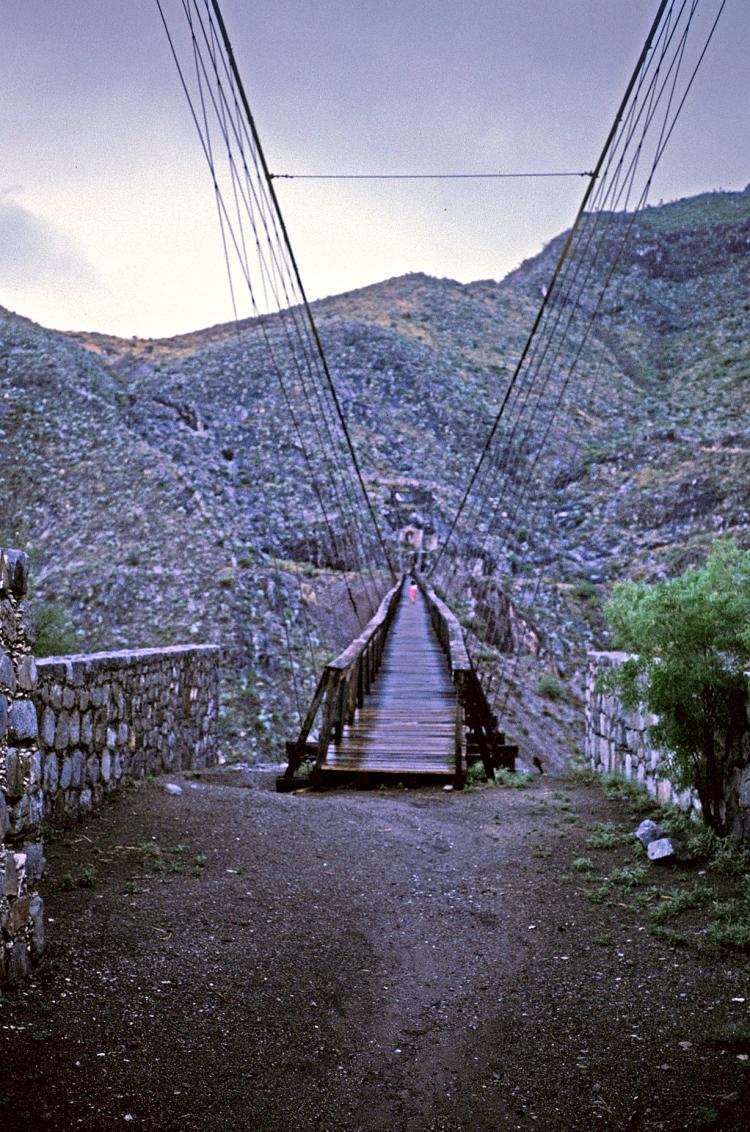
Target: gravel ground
{"x":375,"y":960}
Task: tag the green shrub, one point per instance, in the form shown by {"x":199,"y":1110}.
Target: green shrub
{"x":691,"y":640}
{"x":54,"y":632}
{"x":550,"y":687}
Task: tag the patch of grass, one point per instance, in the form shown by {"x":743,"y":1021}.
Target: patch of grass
{"x":151,"y":856}
{"x":729,"y":859}
{"x":583,"y":865}
{"x":678,"y":901}
{"x":583,"y":589}
{"x":705,"y":1117}
{"x":598,"y":895}
{"x":542,"y":852}
{"x":512,"y":779}
{"x":730,"y":926}
{"x":630,"y":876}
{"x":644,"y":897}
{"x":88,"y":877}
{"x":603,"y":940}
{"x":200,"y":864}
{"x":605,"y":835}
{"x":585,"y":775}
{"x":620,"y":789}
{"x":669,"y":936}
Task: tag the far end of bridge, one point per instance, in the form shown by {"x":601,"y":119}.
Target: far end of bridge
{"x":402,"y":703}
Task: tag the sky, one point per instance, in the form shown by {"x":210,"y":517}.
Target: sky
{"x":107,"y":215}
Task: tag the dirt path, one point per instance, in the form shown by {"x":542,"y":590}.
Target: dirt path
{"x":384,"y":960}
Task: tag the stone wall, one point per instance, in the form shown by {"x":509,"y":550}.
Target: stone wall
{"x":111,"y":716}
{"x":21,"y":801}
{"x":74,"y":728}
{"x":617,"y":741}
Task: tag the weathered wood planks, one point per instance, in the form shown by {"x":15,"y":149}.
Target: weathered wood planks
{"x":407,"y":724}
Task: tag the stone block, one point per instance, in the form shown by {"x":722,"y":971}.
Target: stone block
{"x":66,"y":773}
{"x":31,"y":763}
{"x":14,"y":571}
{"x":12,"y":780}
{"x":92,"y":770}
{"x":36,"y":862}
{"x":14,"y":916}
{"x":27,"y":674}
{"x":23,"y":722}
{"x":648,"y":831}
{"x":48,"y":727}
{"x":8,"y":874}
{"x":3,"y":717}
{"x":62,"y":731}
{"x":19,"y":962}
{"x":51,"y":773}
{"x":87,"y":729}
{"x":661,"y":849}
{"x":68,"y":698}
{"x":36,"y":916}
{"x":74,"y":729}
{"x":664,"y":790}
{"x":4,"y":816}
{"x":36,"y":809}
{"x":78,"y":769}
{"x":106,"y":765}
{"x":7,"y":673}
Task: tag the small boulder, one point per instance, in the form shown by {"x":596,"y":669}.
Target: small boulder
{"x":172,"y":788}
{"x":649,"y":831}
{"x":661,"y":848}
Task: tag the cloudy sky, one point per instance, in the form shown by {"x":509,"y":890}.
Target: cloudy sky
{"x":107,"y":219}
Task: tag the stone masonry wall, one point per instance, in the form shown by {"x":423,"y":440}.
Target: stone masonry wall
{"x":111,"y":716}
{"x":21,"y":802}
{"x":617,"y":741}
{"x":73,"y":729}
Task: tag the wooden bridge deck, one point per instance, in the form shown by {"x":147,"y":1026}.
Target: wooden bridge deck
{"x":407,"y":725}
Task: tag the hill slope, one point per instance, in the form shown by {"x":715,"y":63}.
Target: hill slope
{"x":146,"y":476}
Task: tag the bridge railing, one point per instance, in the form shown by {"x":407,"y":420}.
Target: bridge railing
{"x":473,"y":714}
{"x":342,"y":688}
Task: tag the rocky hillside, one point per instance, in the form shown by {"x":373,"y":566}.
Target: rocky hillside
{"x":150,"y":480}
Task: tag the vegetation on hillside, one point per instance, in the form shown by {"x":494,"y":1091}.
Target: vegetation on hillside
{"x":162,"y":493}
{"x":690,"y":637}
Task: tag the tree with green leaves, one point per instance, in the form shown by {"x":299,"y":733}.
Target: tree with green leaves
{"x":690,"y":645}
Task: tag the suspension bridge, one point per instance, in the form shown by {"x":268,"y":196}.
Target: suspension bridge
{"x":418,"y":694}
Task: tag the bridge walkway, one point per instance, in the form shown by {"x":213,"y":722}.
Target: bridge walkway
{"x":407,"y":724}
